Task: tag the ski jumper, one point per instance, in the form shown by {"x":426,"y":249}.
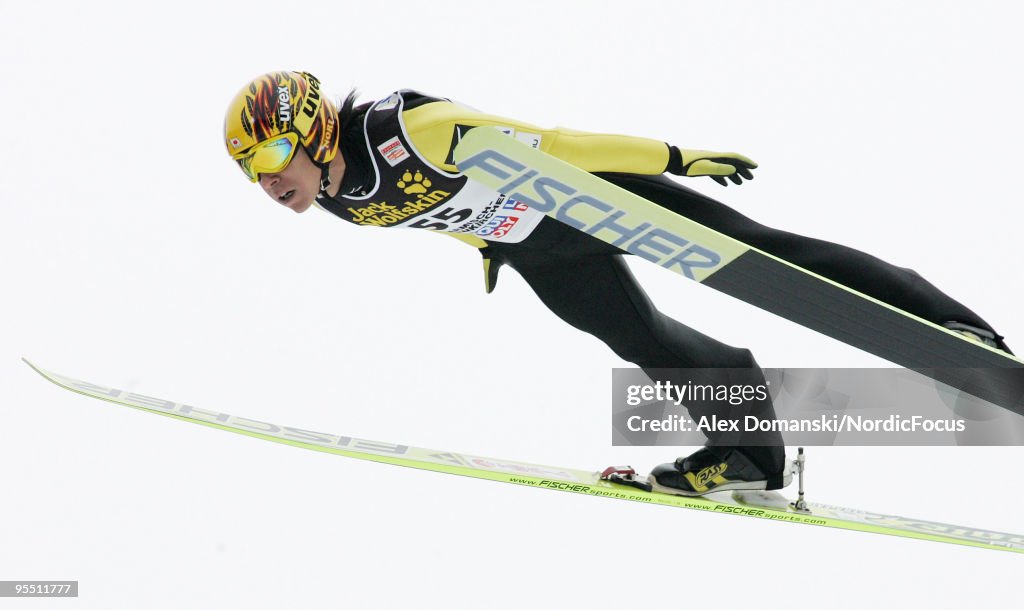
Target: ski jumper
{"x":400,"y":173}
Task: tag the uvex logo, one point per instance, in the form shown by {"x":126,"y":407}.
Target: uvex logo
{"x":284,"y":105}
{"x":310,"y":107}
{"x":312,"y":103}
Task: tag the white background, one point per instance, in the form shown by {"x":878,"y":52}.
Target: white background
{"x":136,"y":255}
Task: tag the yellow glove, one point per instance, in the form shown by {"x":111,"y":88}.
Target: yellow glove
{"x":718,"y":166}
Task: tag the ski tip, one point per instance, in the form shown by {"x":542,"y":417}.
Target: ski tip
{"x":42,"y":372}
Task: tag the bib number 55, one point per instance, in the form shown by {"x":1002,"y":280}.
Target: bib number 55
{"x":447,"y":216}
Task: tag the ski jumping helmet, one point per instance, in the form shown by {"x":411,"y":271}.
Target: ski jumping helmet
{"x":273,"y":115}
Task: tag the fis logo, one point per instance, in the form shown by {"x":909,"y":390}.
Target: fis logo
{"x":387,"y":103}
{"x":700,"y":481}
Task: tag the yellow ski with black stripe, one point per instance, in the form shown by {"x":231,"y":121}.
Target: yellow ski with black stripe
{"x":534,"y":475}
{"x":645,"y":229}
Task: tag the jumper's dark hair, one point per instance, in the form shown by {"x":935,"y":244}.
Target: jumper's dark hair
{"x":346,"y":110}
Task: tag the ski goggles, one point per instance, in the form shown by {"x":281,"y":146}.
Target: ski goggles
{"x":269,"y":156}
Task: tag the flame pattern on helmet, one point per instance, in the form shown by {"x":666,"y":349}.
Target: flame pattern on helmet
{"x":269,"y":105}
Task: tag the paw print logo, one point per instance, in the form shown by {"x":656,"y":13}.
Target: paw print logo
{"x":413,"y":184}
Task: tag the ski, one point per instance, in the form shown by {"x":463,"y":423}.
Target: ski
{"x":770,"y":506}
{"x":640,"y":227}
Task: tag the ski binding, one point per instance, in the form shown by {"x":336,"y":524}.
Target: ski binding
{"x":627,"y":475}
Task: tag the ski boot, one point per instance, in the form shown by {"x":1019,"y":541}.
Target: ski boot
{"x":979,"y":335}
{"x":716,"y":469}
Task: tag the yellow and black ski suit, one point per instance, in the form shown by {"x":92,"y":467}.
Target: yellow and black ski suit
{"x":399,"y":172}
